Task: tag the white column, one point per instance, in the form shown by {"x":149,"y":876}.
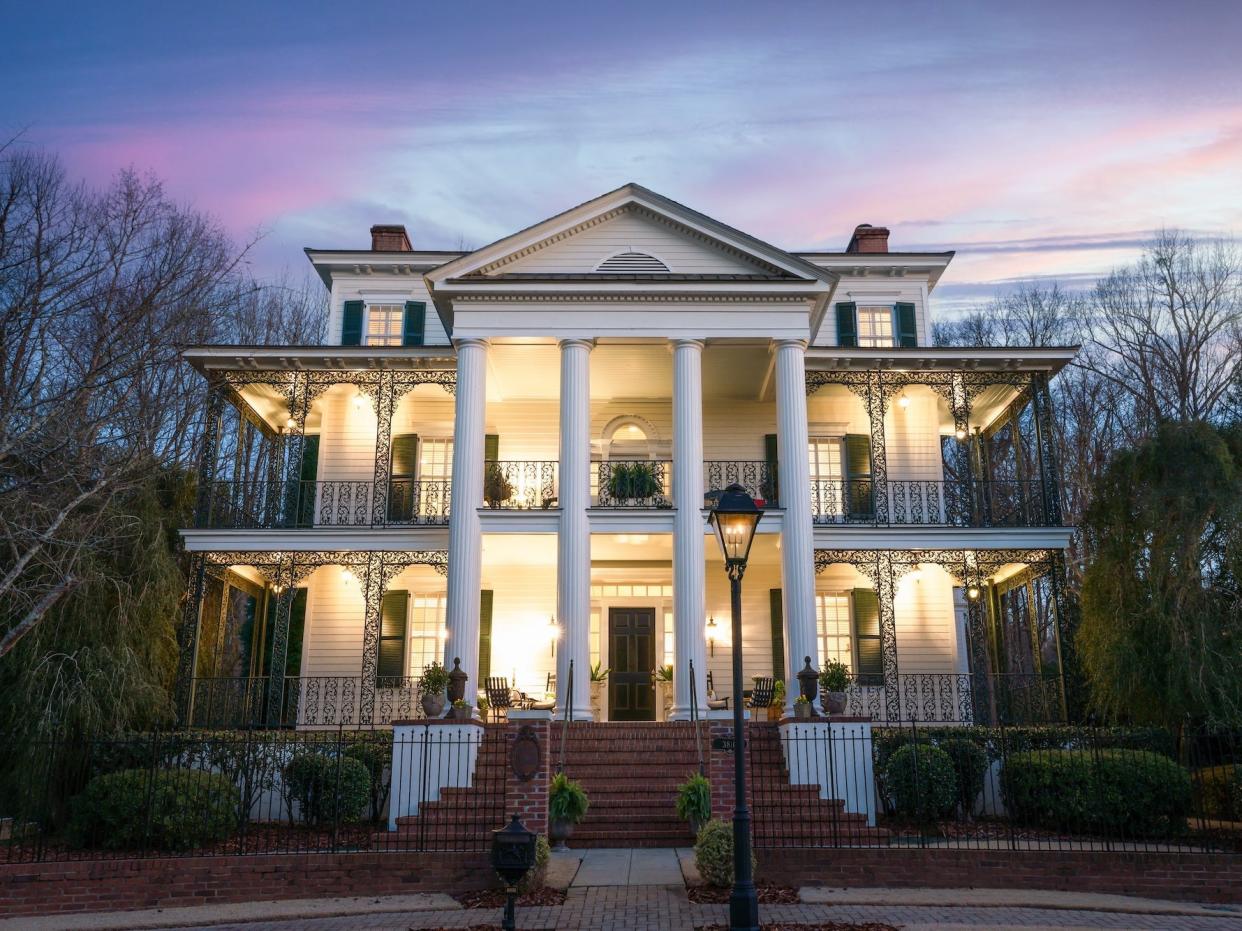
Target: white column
{"x":688,"y":528}
{"x":573,"y":542}
{"x":465,"y":554}
{"x":797,"y":543}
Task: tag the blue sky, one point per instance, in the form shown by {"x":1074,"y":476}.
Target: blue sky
{"x":1039,"y":140}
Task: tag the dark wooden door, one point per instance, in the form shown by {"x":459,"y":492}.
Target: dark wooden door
{"x":631,"y":656}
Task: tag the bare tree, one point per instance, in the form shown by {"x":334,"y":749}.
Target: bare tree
{"x":98,"y":291}
{"x":1168,"y":329}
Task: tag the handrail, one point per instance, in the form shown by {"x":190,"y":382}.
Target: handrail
{"x":569,"y":704}
{"x":694,"y":717}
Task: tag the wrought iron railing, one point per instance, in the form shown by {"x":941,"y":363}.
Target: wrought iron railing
{"x":757,"y":477}
{"x":634,"y":483}
{"x":302,"y":701}
{"x":259,"y":505}
{"x":514,"y":485}
{"x":904,"y":502}
{"x":958,"y":698}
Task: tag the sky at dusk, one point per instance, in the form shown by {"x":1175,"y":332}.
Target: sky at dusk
{"x":1037,"y":139}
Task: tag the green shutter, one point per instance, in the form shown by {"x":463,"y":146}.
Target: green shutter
{"x":777,"y":615}
{"x":485,"y":637}
{"x":297,"y":633}
{"x":301,"y":499}
{"x":414,"y":324}
{"x":393,"y":613}
{"x":771,"y":488}
{"x":402,"y":473}
{"x":907,"y":331}
{"x":491,"y":447}
{"x":858,"y":485}
{"x":847,"y":324}
{"x":867,"y":636}
{"x":351,"y":324}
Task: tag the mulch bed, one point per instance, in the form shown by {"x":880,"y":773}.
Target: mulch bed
{"x":820,"y":926}
{"x":769,"y":894}
{"x":496,"y":898}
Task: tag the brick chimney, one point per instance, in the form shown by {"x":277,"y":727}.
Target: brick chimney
{"x":868,"y":238}
{"x":390,"y":239}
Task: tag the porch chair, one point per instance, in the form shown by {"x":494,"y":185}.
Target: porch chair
{"x":714,"y":703}
{"x":545,"y":703}
{"x":499,"y":697}
{"x":764,"y":691}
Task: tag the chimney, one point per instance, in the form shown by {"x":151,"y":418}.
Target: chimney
{"x":868,"y":238}
{"x":390,"y":239}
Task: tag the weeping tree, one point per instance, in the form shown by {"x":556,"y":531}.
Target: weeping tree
{"x":1160,"y":638}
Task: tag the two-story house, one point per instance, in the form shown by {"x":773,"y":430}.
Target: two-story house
{"x":501,"y":456}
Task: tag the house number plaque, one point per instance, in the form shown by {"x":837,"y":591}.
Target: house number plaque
{"x":524,"y":755}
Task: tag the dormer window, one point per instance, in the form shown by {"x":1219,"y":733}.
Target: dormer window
{"x":632,"y":263}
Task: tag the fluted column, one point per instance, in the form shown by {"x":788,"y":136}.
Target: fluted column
{"x":573,"y":542}
{"x":465,"y":556}
{"x":688,"y":609}
{"x":797,"y":544}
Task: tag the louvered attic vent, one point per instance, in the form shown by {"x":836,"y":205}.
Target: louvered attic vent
{"x":632,"y":262}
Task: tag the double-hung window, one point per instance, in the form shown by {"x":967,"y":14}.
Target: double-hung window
{"x":383,"y":324}
{"x":848,"y":631}
{"x":876,"y":326}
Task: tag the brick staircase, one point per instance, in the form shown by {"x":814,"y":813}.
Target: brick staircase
{"x":631,"y":772}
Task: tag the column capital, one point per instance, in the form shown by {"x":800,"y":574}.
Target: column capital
{"x":789,"y":343}
{"x":588,"y":344}
{"x":462,"y":342}
{"x":695,"y":343}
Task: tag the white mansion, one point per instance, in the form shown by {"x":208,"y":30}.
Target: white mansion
{"x":506,"y":457}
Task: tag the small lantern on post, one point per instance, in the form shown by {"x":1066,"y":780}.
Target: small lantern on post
{"x":808,"y":681}
{"x":457,"y":682}
{"x":513,"y":856}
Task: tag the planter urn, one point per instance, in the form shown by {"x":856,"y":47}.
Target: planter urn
{"x":463,"y":713}
{"x":802,"y":710}
{"x":559,"y":831}
{"x":808,"y":682}
{"x":457,"y":682}
{"x":834,"y":702}
{"x":433,"y":705}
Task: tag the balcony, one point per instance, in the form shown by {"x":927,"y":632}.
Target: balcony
{"x":903,"y":503}
{"x":633,"y":483}
{"x":283,"y":505}
{"x":513,"y":485}
{"x":302,"y":701}
{"x":758,"y":477}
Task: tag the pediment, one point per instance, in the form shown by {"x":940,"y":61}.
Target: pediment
{"x":629,"y":226}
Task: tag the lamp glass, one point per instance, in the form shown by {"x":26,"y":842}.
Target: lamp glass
{"x":734,"y":520}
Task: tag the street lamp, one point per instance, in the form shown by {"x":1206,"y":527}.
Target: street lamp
{"x":734,"y":519}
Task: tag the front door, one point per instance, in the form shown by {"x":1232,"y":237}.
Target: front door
{"x":631,"y":642}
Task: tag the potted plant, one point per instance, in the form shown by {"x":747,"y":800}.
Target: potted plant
{"x":634,"y":481}
{"x":663,"y":676}
{"x":802,"y":707}
{"x":431,"y":689}
{"x":496,"y":488}
{"x":833,"y":682}
{"x":599,"y":675}
{"x":567,"y":805}
{"x":694,"y":802}
{"x":484,"y":707}
{"x":461,"y":711}
{"x":777,"y":708}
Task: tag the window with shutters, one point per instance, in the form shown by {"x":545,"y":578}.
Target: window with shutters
{"x":427,"y":613}
{"x":435,"y":459}
{"x":385,"y":324}
{"x":835,"y":629}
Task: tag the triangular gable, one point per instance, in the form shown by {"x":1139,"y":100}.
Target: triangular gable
{"x":635,"y":209}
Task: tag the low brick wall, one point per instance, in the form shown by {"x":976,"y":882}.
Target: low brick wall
{"x":1188,"y":877}
{"x":113,"y":885}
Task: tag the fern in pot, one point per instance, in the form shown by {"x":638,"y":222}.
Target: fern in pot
{"x":567,"y":805}
{"x":432,"y":690}
{"x":694,"y":802}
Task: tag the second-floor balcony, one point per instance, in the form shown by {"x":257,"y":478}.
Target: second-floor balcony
{"x":928,"y":503}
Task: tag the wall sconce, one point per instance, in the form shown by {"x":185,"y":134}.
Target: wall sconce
{"x":359,"y":401}
{"x":711,"y":635}
{"x":554,"y":633}
{"x":903,"y":402}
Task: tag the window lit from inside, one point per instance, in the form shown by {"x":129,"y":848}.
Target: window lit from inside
{"x":832,"y":610}
{"x":875,"y":327}
{"x":384,"y":324}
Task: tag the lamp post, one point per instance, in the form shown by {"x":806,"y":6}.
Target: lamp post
{"x":734,"y":519}
{"x":513,"y":855}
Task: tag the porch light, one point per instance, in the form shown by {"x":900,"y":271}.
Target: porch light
{"x":903,"y":402}
{"x":289,"y":424}
{"x":960,"y":434}
{"x":711,"y":635}
{"x":359,"y":401}
{"x":554,"y":633}
{"x":735,"y":519}
{"x":973,"y":593}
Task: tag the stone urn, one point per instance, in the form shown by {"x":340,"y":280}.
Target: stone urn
{"x":433,"y":705}
{"x":559,"y":831}
{"x":457,"y":682}
{"x":834,"y":702}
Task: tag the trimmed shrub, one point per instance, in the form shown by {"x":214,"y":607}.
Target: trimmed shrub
{"x":1132,"y":793}
{"x":326,"y":787}
{"x":163,"y":809}
{"x":713,"y":853}
{"x":538,"y":875}
{"x":1218,"y":792}
{"x":970,"y":765}
{"x":376,"y":755}
{"x":921,"y":782}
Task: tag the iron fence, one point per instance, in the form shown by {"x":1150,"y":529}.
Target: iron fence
{"x":261,"y":505}
{"x":906,"y":502}
{"x":301,"y":701}
{"x":633,"y":483}
{"x":759,"y":478}
{"x":957,"y":698}
{"x":194,"y":793}
{"x":1006,"y":788}
{"x":520,"y":485}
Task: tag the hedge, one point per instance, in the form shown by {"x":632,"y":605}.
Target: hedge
{"x":327,"y":787}
{"x":1127,"y":793}
{"x":1218,"y":791}
{"x":921,"y":782}
{"x":713,"y":853}
{"x":162,"y":809}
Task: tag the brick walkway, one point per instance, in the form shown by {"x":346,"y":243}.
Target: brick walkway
{"x":639,"y":908}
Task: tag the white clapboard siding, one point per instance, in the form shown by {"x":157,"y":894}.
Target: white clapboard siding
{"x":878,"y":292}
{"x":584,"y":251}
